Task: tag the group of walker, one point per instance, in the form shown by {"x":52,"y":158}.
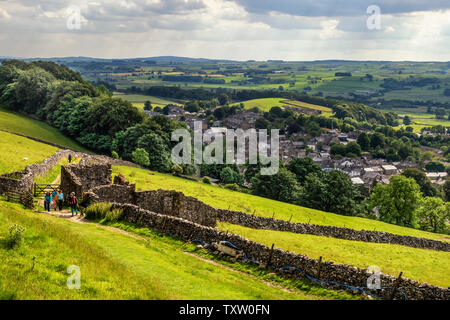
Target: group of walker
{"x":55,"y":200}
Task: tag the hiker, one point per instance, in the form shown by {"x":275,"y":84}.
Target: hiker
{"x":73,"y":201}
{"x":60,"y":200}
{"x":54,"y":200}
{"x":70,"y":158}
{"x":47,"y":201}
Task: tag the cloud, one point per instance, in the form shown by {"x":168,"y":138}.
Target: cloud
{"x":234,"y":29}
{"x":334,"y":8}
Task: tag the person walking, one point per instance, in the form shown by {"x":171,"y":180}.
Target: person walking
{"x":70,"y":158}
{"x":47,"y":201}
{"x":73,"y":201}
{"x":54,"y":200}
{"x":60,"y":200}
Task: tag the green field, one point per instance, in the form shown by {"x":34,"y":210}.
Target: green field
{"x":423,"y":265}
{"x":139,"y":100}
{"x":218,"y":197}
{"x":114,"y":265}
{"x":266,"y":104}
{"x":18,"y":123}
{"x":263,"y":104}
{"x":420,"y":119}
{"x":15,"y":149}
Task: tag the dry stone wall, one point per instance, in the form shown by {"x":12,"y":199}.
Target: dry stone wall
{"x":280,"y":259}
{"x":80,"y":178}
{"x":246,"y":220}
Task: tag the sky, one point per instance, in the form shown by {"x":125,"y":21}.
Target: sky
{"x":295,"y":30}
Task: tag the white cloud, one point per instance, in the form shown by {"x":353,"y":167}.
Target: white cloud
{"x":222,"y":29}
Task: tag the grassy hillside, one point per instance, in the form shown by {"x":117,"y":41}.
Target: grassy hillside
{"x":113,"y":265}
{"x":15,"y":149}
{"x":433,"y":268}
{"x":226,"y":199}
{"x":139,"y":100}
{"x":263,"y":104}
{"x":18,"y":123}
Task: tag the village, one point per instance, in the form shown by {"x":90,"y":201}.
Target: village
{"x":363,"y":170}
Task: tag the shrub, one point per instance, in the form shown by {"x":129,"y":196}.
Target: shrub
{"x":206,"y":180}
{"x":232,"y":186}
{"x":177,"y":170}
{"x":114,"y":155}
{"x":141,"y":157}
{"x":15,"y":236}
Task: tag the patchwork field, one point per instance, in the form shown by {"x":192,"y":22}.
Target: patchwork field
{"x":219,"y":197}
{"x":18,"y":123}
{"x":433,"y":268}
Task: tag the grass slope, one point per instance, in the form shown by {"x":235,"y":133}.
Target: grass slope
{"x":226,"y":199}
{"x":423,"y":265}
{"x":113,"y":265}
{"x":15,"y":148}
{"x":18,"y":123}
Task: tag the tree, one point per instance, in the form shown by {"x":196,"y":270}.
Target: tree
{"x":377,"y":140}
{"x":363,"y":141}
{"x":398,"y":201}
{"x":435,"y":166}
{"x":433,"y":214}
{"x":447,"y":190}
{"x":338,"y":149}
{"x":262,"y":123}
{"x":301,"y":167}
{"x":282,"y":186}
{"x":148,"y":106}
{"x":157,"y":150}
{"x":230,"y":176}
{"x":353,"y":148}
{"x":333,"y":193}
{"x":426,"y":187}
{"x":140,"y":156}
{"x":31,"y":89}
{"x":406,"y":120}
{"x":224,"y":99}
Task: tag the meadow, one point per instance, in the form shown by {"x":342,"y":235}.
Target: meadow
{"x":114,"y":265}
{"x":16,"y":149}
{"x":139,"y":100}
{"x":420,"y":264}
{"x":18,"y":123}
{"x":222,"y":198}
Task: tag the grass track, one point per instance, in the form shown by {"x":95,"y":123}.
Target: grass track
{"x":113,"y":265}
